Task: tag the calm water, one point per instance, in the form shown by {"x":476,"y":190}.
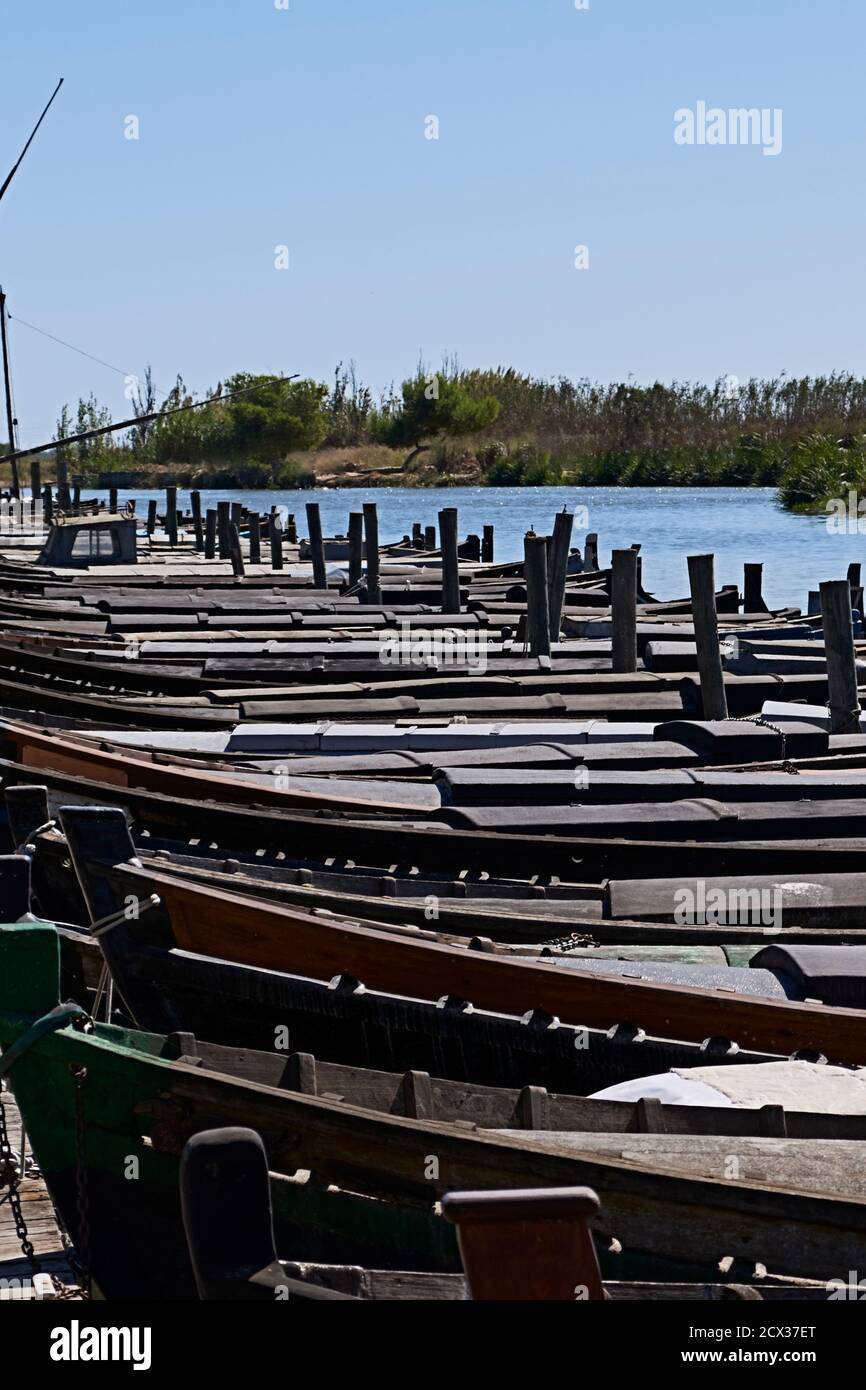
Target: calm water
{"x":736,"y":524}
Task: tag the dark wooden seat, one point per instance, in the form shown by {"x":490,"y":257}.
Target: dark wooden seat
{"x":527,"y":1245}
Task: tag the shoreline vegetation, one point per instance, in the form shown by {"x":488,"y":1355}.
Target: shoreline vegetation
{"x":453,"y":426}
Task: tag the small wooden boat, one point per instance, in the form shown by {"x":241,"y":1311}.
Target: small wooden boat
{"x":250,"y":931}
{"x":530,"y":1245}
{"x":353,"y":1183}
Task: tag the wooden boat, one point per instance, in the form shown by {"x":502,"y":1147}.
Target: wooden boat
{"x":140,"y":1098}
{"x":253,"y":932}
{"x":402,"y":849}
{"x":530,"y":1245}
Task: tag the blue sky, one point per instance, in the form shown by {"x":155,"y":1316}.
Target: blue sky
{"x":305,"y":127}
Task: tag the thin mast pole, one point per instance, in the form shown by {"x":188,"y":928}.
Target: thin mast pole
{"x":7,"y":386}
{"x":15,"y":167}
{"x":10,"y":423}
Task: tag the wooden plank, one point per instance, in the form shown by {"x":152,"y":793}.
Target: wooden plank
{"x":39,"y":1215}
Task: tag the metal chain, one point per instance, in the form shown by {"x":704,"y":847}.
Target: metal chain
{"x":566,"y":943}
{"x":787,"y":764}
{"x":81,"y":1262}
{"x":11,"y":1177}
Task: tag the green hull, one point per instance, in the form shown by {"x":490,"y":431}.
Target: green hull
{"x":137,"y":1244}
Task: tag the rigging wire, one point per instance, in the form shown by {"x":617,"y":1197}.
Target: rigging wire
{"x":81,"y":352}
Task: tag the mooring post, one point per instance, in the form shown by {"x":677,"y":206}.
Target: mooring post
{"x":753,"y":599}
{"x":150,"y":524}
{"x":702,"y":583}
{"x":237,"y":558}
{"x":255,"y":534}
{"x":171,"y":513}
{"x":856,"y":587}
{"x":813,"y":608}
{"x":557,"y":569}
{"x":590,"y":551}
{"x":417,"y":536}
{"x":35,"y":480}
{"x":371,"y":547}
{"x":623,"y":610}
{"x":276,"y":538}
{"x":112,"y":499}
{"x":223,"y":522}
{"x":356,"y":547}
{"x":839,"y":653}
{"x":47,"y":505}
{"x":291,"y":529}
{"x":487,"y":545}
{"x":62,"y":471}
{"x":210,"y":533}
{"x":429,"y":537}
{"x":317,"y":545}
{"x":537,"y":603}
{"x":450,"y":561}
{"x":76,"y":498}
{"x":195,"y":504}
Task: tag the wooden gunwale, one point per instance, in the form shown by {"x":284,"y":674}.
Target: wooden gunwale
{"x":255,"y":933}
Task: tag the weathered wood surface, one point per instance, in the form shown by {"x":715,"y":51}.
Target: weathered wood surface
{"x":248,"y":932}
{"x":810,"y":1165}
{"x":16,"y":1272}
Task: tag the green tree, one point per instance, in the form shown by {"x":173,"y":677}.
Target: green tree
{"x":274,"y":416}
{"x":434,"y":407}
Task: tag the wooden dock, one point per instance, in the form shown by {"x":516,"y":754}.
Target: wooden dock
{"x":16,"y":1276}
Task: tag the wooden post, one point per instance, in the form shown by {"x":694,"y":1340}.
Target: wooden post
{"x":236,"y":515}
{"x":291,"y":529}
{"x":557,"y":569}
{"x":590,"y":552}
{"x":210,"y":533}
{"x":450,"y":560}
{"x":534,"y":1244}
{"x":47,"y":505}
{"x":35,"y":480}
{"x":276,"y":539}
{"x":487,"y":545}
{"x":623,"y":610}
{"x":417,"y":536}
{"x":255,"y":524}
{"x":171,"y":513}
{"x":371,"y":545}
{"x":537,"y":605}
{"x":702,"y":583}
{"x":195,"y":504}
{"x":753,"y":599}
{"x":839,"y":652}
{"x":814,"y":604}
{"x":356,"y":547}
{"x":112,"y":499}
{"x":150,"y":524}
{"x":62,"y":469}
{"x":856,"y":588}
{"x":429,"y":537}
{"x":76,"y":497}
{"x":235,"y":554}
{"x":317,"y":545}
{"x":223,"y":522}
